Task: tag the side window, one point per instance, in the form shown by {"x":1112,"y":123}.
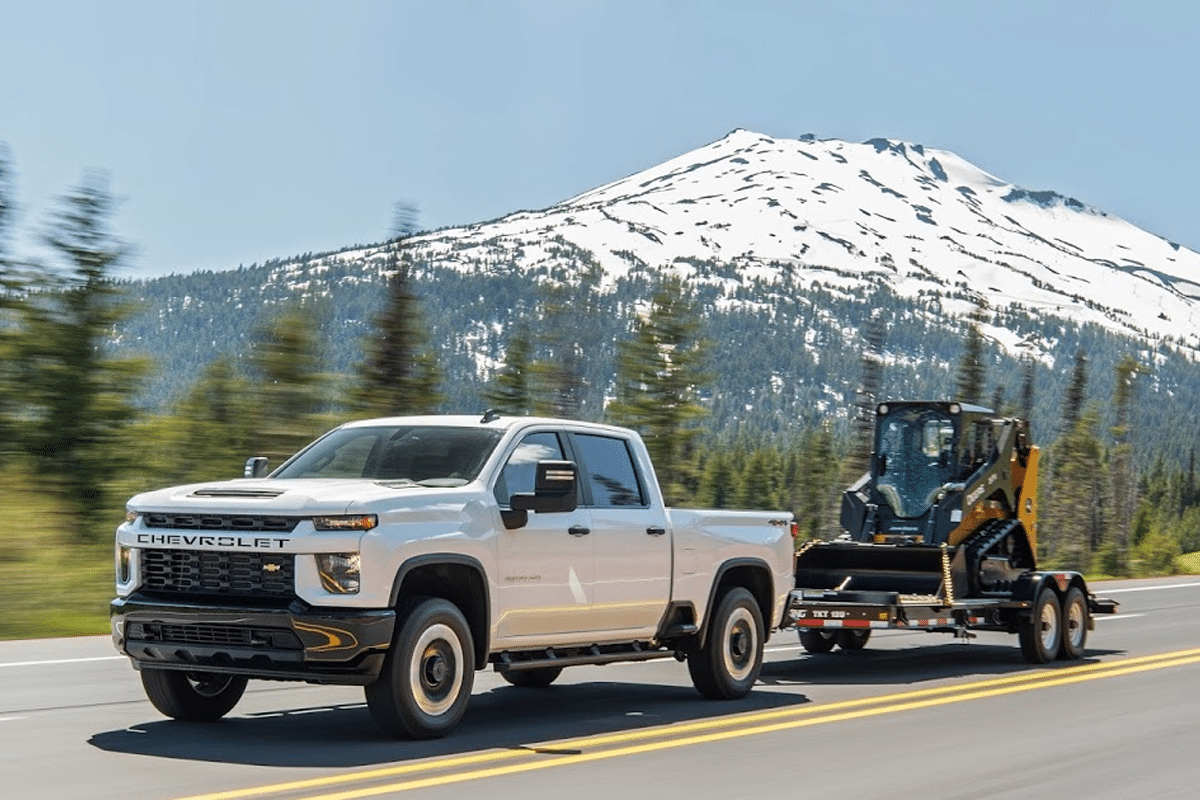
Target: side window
{"x":519,"y":473}
{"x":608,"y":469}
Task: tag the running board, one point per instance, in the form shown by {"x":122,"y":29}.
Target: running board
{"x":568,"y":657}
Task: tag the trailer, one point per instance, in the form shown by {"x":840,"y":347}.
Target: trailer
{"x":941,"y":535}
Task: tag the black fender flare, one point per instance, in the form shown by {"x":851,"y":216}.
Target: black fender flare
{"x":480,"y":631}
{"x":759,"y":566}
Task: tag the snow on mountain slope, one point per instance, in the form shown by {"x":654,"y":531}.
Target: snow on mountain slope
{"x":850,"y":216}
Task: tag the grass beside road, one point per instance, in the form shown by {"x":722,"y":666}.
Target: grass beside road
{"x":50,"y":583}
{"x":1188,"y":564}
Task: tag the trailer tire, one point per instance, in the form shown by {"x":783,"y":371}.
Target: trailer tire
{"x":727,"y":666}
{"x":423,"y":689}
{"x":1041,"y":632}
{"x":1074,"y":625}
{"x":853,"y":638}
{"x":817,"y":640}
{"x":192,"y":696}
{"x":537,"y":678}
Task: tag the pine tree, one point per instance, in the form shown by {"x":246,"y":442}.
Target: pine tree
{"x":972,"y":371}
{"x":660,"y":372}
{"x":569,"y":310}
{"x":1076,"y":391}
{"x":75,"y":397}
{"x":863,"y":423}
{"x":509,"y":393}
{"x":1074,"y":518}
{"x":1121,"y":466}
{"x":400,"y":374}
{"x":10,"y":291}
{"x":289,"y":383}
{"x":214,"y":426}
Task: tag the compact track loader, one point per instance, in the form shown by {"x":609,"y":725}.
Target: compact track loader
{"x":941,"y":535}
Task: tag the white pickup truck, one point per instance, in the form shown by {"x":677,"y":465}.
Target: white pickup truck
{"x":403,"y":554}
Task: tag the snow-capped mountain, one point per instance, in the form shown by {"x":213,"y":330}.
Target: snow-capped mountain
{"x":923,"y":222}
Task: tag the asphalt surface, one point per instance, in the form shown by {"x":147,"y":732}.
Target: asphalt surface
{"x":914,"y":715}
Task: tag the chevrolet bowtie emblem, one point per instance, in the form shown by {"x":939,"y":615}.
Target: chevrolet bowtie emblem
{"x":271,"y":568}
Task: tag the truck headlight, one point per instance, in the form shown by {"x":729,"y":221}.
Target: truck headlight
{"x":339,"y":572}
{"x":346,"y":522}
{"x":124,"y":562}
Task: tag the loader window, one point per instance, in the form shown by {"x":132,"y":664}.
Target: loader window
{"x":916,"y":447}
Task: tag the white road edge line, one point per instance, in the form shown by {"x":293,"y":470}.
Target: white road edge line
{"x":60,"y":661}
{"x":1149,"y":588}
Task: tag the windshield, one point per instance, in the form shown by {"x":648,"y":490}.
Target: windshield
{"x":432,"y":455}
{"x":915,"y":445}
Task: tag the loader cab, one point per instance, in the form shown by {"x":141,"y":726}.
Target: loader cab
{"x":923,"y":453}
{"x":915,"y":450}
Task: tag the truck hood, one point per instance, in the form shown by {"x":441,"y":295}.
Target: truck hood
{"x":292,"y":497}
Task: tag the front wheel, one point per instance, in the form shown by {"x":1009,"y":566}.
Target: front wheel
{"x":426,"y":681}
{"x":1075,"y":624}
{"x":192,"y":696}
{"x":1040,"y":634}
{"x":727,"y":666}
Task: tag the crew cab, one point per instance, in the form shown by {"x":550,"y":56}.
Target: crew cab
{"x":403,"y":554}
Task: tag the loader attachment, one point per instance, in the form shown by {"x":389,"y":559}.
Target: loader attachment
{"x":855,"y":566}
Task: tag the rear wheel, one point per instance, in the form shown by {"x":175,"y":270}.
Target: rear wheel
{"x":532,"y":678}
{"x":192,"y":696}
{"x":1041,"y":633}
{"x":817,"y":640}
{"x":1074,"y":625}
{"x":426,"y":681}
{"x":728,"y":664}
{"x":853,"y":638}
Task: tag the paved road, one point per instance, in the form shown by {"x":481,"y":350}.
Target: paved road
{"x":913,"y":716}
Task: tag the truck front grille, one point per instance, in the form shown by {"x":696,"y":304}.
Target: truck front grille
{"x":222,"y":522}
{"x":199,"y":573}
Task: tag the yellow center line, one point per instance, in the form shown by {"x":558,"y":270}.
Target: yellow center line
{"x":709,"y":730}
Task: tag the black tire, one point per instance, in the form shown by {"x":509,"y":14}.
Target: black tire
{"x":853,"y":638}
{"x":817,"y":640}
{"x":1041,"y":633}
{"x":537,"y":678}
{"x":728,"y":664}
{"x":423,"y":689}
{"x":1074,"y":625}
{"x":192,"y":696}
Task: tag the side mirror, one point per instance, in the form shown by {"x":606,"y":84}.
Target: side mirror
{"x":256,"y":467}
{"x":555,"y":489}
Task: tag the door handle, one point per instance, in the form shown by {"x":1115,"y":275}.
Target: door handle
{"x":578,"y":530}
{"x":655,"y":530}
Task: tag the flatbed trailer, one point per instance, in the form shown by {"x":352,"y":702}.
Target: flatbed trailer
{"x":1045,"y":636}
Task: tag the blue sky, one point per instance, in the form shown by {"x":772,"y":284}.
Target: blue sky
{"x":240,"y":131}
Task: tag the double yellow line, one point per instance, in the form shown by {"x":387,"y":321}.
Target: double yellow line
{"x":491,"y":764}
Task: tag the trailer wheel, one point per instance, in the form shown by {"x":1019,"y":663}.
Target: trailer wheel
{"x":817,"y":640}
{"x":1041,"y":633}
{"x":728,"y":664}
{"x":192,"y":696}
{"x":853,"y":638}
{"x":1074,"y":625}
{"x":426,"y":681}
{"x":532,"y":678}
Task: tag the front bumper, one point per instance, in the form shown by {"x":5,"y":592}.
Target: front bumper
{"x":297,"y":643}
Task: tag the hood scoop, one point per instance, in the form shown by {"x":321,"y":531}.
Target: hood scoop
{"x":250,"y":493}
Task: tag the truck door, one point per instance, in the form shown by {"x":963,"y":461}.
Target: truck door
{"x":632,"y":544}
{"x":544,"y":584}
